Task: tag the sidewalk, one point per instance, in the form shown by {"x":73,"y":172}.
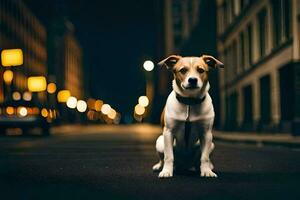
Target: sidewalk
{"x":277,"y":139}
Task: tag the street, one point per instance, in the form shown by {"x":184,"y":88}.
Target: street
{"x":114,"y":162}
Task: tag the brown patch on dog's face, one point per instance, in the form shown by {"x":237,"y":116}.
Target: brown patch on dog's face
{"x":191,"y":73}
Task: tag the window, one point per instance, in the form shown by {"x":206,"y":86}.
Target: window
{"x":281,"y":21}
{"x":242,"y":50}
{"x":247,"y":94}
{"x":287,"y":18}
{"x":225,"y":14}
{"x":236,"y":7}
{"x":265,"y":99}
{"x":249,"y":44}
{"x":234,"y":57}
{"x":262,"y":23}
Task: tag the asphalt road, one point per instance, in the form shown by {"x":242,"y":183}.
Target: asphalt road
{"x":115,"y":163}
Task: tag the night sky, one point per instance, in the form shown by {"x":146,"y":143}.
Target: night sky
{"x":116,"y":36}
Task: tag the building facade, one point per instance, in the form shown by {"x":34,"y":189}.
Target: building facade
{"x":179,"y":19}
{"x":20,"y":28}
{"x":258,"y":40}
{"x":186,"y":30}
{"x":65,"y":58}
{"x":176,"y":20}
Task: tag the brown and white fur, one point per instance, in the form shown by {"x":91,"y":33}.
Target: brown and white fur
{"x":190,"y":80}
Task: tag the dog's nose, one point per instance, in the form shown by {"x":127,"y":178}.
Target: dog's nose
{"x":193,"y":81}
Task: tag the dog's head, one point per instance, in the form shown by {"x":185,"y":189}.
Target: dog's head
{"x":191,"y":73}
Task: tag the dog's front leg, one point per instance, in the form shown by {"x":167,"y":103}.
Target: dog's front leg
{"x":167,"y":170}
{"x":207,"y":147}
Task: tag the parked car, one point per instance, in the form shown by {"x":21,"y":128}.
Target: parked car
{"x":26,"y":115}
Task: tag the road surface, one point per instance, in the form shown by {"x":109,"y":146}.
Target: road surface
{"x":106,"y":162}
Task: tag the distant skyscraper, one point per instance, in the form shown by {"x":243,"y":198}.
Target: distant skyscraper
{"x":65,"y":57}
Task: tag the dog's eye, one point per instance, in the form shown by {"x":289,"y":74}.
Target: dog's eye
{"x":200,"y":70}
{"x":183,"y":70}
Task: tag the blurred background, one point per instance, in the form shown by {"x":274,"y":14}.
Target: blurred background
{"x":69,"y":62}
{"x":85,"y":73}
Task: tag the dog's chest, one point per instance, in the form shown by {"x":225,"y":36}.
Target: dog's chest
{"x":182,"y":112}
{"x":193,"y":133}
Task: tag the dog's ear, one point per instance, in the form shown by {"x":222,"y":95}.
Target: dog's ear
{"x":212,"y":62}
{"x":170,"y":61}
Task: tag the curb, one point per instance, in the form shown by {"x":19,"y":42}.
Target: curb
{"x":257,"y":141}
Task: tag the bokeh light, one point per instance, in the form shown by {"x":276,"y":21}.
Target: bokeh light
{"x":22,"y":111}
{"x":63,"y":96}
{"x":143,"y":101}
{"x":112,"y":114}
{"x":72,"y":102}
{"x":139,"y":109}
{"x":8,"y":76}
{"x":51,"y":88}
{"x":148,"y":65}
{"x":105,"y":109}
{"x":44,"y":112}
{"x":16,"y":96}
{"x":98,"y":105}
{"x":27,"y":96}
{"x":81,"y":106}
{"x":36,"y":83}
{"x":12,"y":57}
{"x":10,"y":110}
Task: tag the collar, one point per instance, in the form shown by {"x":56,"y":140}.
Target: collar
{"x":189,"y":100}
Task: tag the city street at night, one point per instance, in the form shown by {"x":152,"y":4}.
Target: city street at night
{"x":86,"y":85}
{"x":114,"y":162}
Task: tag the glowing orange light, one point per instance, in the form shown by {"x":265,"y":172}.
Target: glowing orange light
{"x":98,"y":105}
{"x":10,"y":110}
{"x":12,"y":57}
{"x":63,"y":96}
{"x":44,"y":112}
{"x":8,"y":76}
{"x":36,"y":83}
{"x":51,"y":88}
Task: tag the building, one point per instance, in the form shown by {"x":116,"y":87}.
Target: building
{"x":65,"y":57}
{"x":19,"y":28}
{"x":182,"y":33}
{"x":259,"y":42}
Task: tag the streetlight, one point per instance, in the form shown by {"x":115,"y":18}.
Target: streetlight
{"x":148,"y":65}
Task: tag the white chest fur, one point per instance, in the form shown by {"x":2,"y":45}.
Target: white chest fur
{"x":178,"y":111}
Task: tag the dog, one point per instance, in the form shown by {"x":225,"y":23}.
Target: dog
{"x":187,"y":118}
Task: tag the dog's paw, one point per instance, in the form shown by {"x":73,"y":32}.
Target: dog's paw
{"x":207,"y":172}
{"x":165,"y":173}
{"x":157,"y":166}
